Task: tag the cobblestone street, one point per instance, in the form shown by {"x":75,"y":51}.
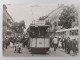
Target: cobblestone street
{"x":25,"y":53}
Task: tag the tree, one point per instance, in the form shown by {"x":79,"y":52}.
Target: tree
{"x":21,"y":26}
{"x":67,"y":16}
{"x":15,"y":27}
{"x":55,"y":28}
{"x":18,"y":27}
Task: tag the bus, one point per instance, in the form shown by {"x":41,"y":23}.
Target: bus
{"x":39,"y":38}
{"x":71,"y":32}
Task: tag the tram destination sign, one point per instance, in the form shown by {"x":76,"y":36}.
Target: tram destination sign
{"x":40,"y":23}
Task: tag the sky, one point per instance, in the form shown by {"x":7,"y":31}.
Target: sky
{"x":28,"y":13}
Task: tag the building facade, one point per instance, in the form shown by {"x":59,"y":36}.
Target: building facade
{"x":7,"y":23}
{"x":53,"y":18}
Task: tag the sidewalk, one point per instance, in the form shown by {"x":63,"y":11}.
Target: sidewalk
{"x":60,"y":52}
{"x":10,"y":53}
{"x":25,"y":53}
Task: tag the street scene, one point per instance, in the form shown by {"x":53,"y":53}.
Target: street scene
{"x":59,"y":53}
{"x":40,"y":30}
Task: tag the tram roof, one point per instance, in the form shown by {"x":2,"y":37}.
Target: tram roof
{"x":67,"y":29}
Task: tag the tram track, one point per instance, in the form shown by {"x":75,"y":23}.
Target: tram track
{"x":40,"y":54}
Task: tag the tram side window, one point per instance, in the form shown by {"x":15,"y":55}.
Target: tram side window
{"x":72,"y":32}
{"x":59,"y":33}
{"x":76,"y":32}
{"x":64,"y":32}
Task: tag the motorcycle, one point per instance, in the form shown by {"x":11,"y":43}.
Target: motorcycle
{"x":19,"y":49}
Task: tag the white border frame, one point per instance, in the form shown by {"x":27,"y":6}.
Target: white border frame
{"x":33,"y":2}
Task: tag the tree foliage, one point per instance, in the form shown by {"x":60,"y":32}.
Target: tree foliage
{"x":67,"y":16}
{"x":18,"y":27}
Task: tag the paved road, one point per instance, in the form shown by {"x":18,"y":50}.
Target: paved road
{"x":51,"y":53}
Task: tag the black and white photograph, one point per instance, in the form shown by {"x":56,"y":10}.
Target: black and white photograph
{"x":40,"y":30}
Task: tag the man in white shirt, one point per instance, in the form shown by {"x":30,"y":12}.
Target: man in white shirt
{"x":55,"y":42}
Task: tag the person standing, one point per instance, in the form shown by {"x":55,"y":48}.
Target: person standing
{"x":74,"y":46}
{"x":65,"y":44}
{"x":51,"y":41}
{"x":62,"y":43}
{"x":55,"y":42}
{"x":6,"y":42}
{"x":68,"y":45}
{"x":15,"y":45}
{"x":11,"y":44}
{"x":19,"y":49}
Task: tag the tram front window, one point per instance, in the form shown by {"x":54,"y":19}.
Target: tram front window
{"x":39,"y":32}
{"x":33,"y":32}
{"x":43,"y":32}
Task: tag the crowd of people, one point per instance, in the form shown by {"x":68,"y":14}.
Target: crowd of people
{"x":15,"y":42}
{"x":66,"y":44}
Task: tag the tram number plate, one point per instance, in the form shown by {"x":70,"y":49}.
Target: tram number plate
{"x":40,"y":42}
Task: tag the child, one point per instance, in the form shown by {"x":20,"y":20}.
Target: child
{"x":60,"y":44}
